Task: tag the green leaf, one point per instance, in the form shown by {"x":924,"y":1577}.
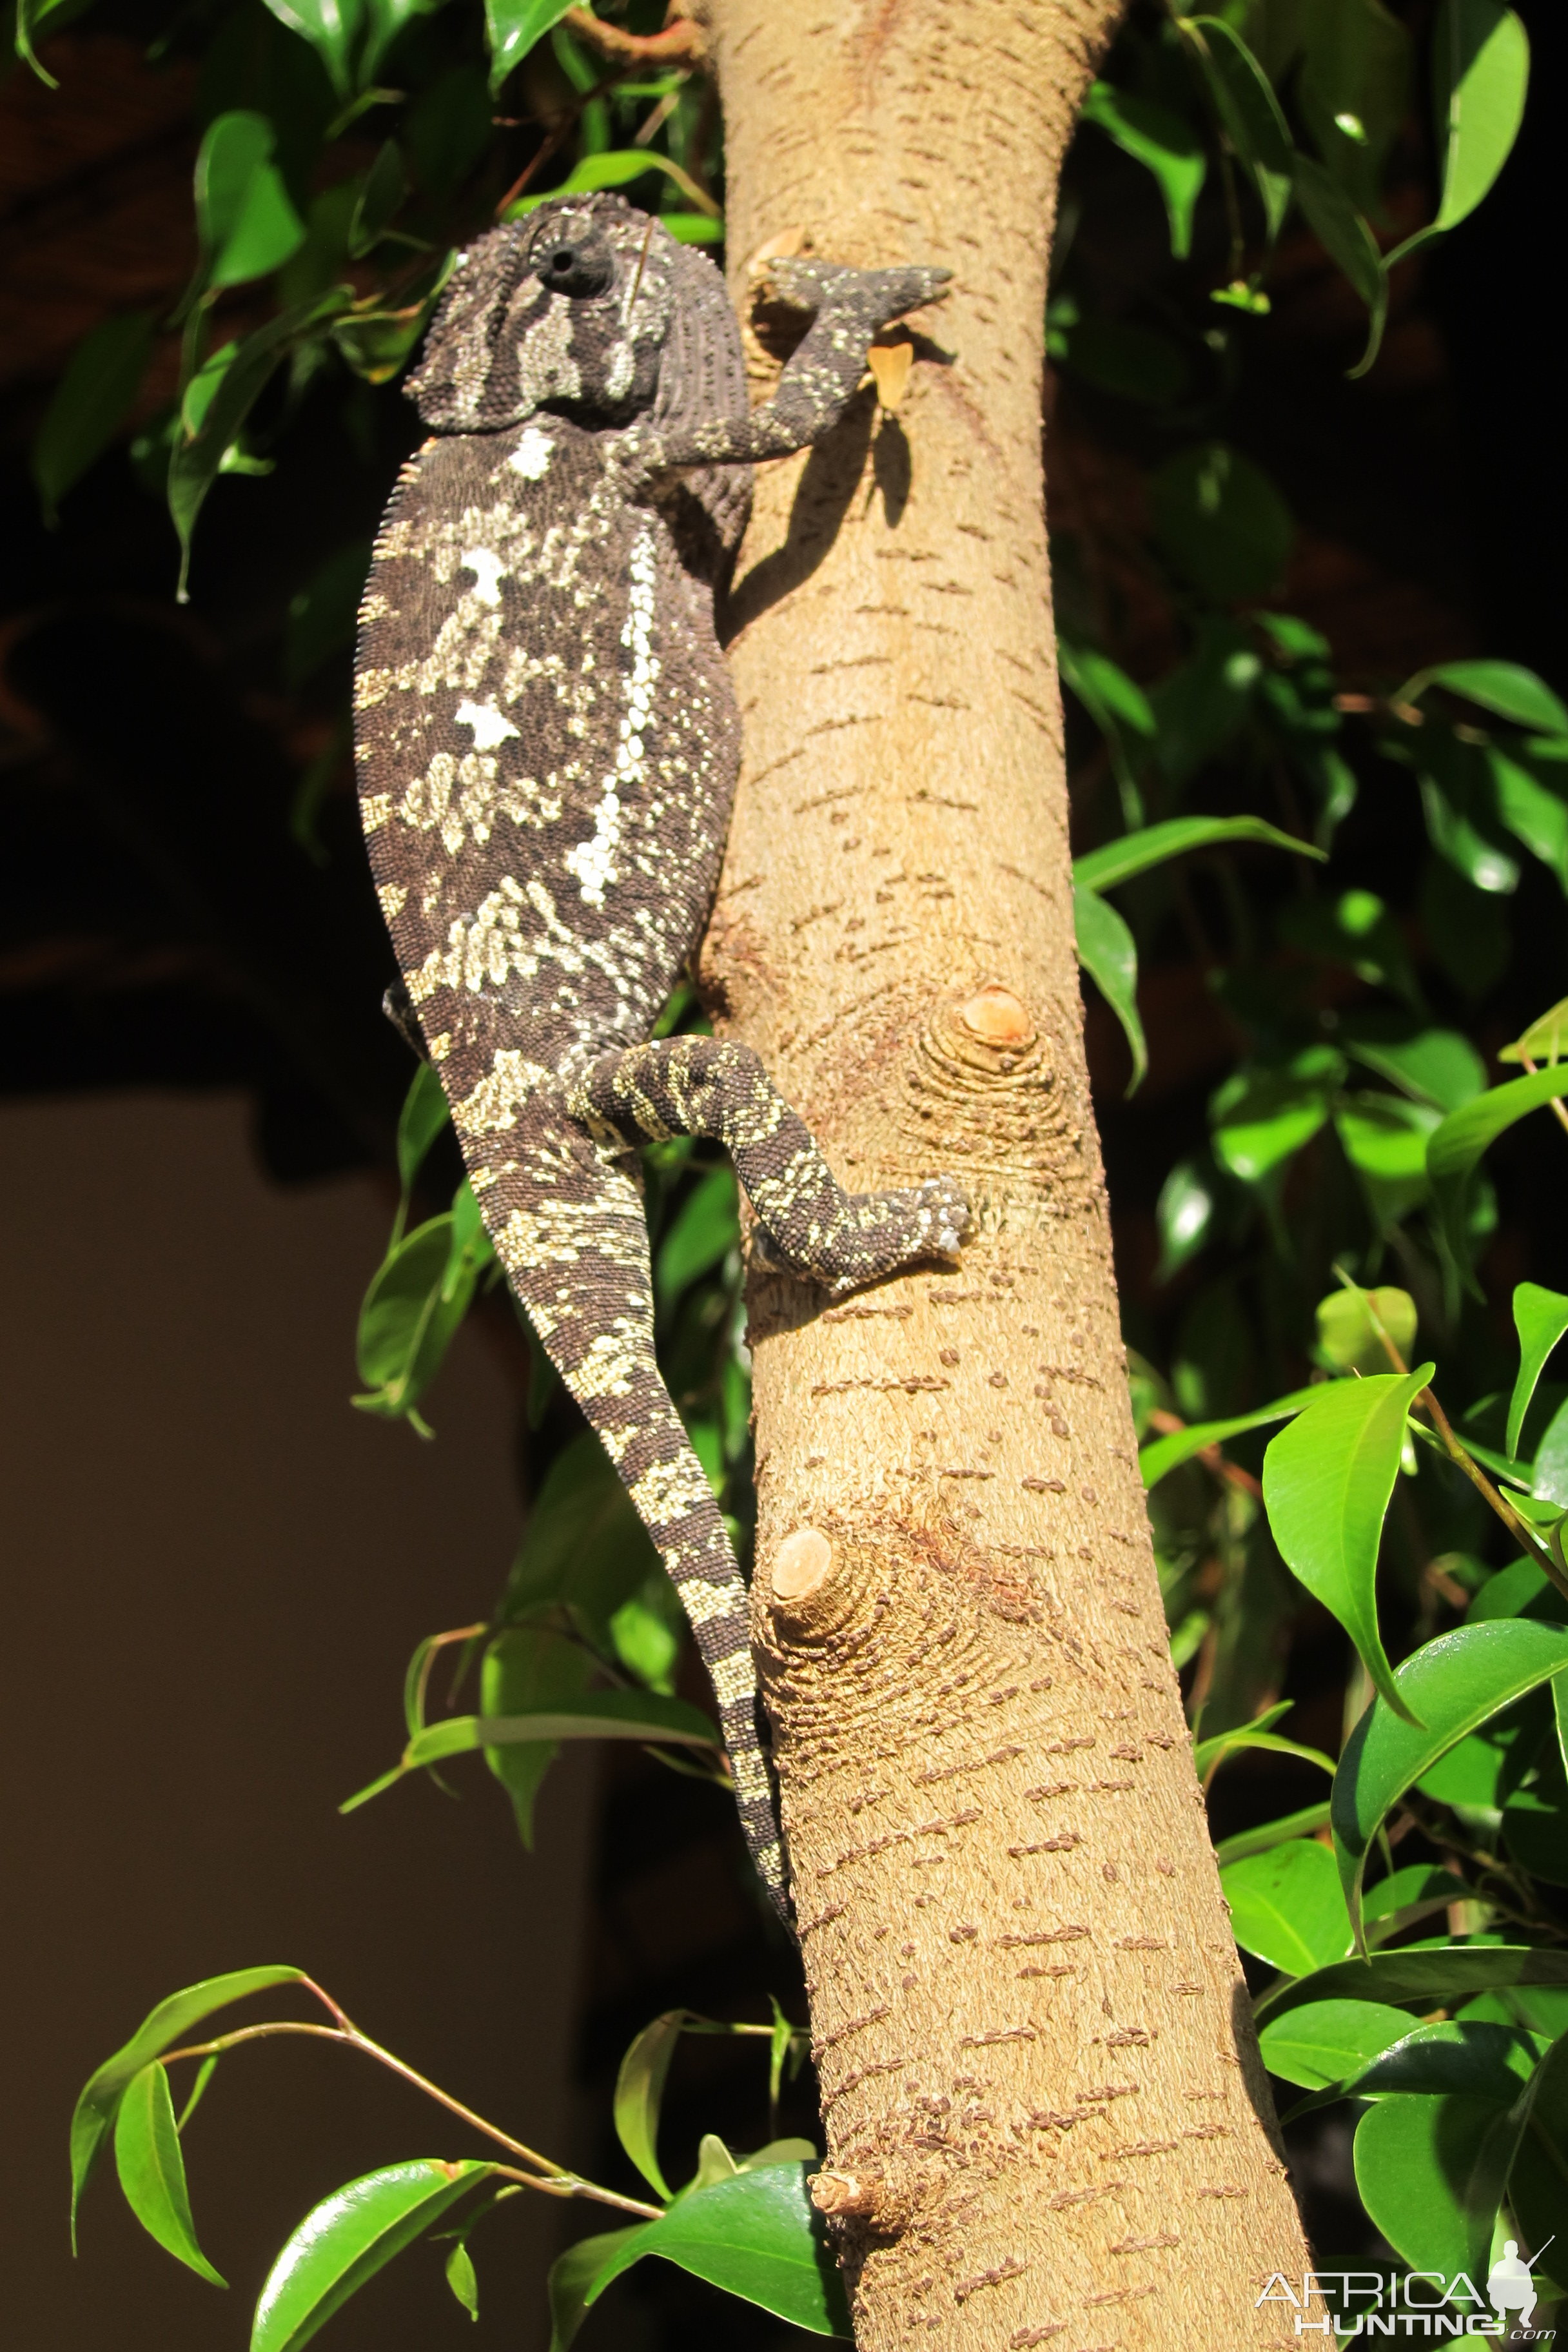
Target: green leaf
{"x":1431,"y":2174}
{"x":706,"y":1228}
{"x":1353,"y":90}
{"x":1545,"y":1040}
{"x":346,"y":2239}
{"x":152,"y":2171}
{"x":1348,"y":1328}
{"x":1135,"y":853}
{"x":463,"y":2279}
{"x":92,"y":401}
{"x":1538,"y":2185}
{"x":617,"y":168}
{"x":1454,"y":1148}
{"x":1347,"y":240}
{"x":530,"y":1670}
{"x":160,"y":2030}
{"x":330,"y":26}
{"x":387,"y":20}
{"x":1264,"y":1114}
{"x":1541,"y":1318}
{"x":584,"y":1544}
{"x":1162,"y":143}
{"x":1326,"y":2040}
{"x":1286,"y":1905}
{"x":198,"y":456}
{"x":245,"y":220}
{"x":1406,"y":1896}
{"x":1434,"y":1978}
{"x":1108,"y":953}
{"x":1507,"y":689}
{"x":1250,"y":113}
{"x":572,"y":2274}
{"x":322,"y":620}
{"x":1448,"y":1687}
{"x":639,"y":2093}
{"x":1304,"y":1823}
{"x":1184,"y":1213}
{"x":1435,"y":1066}
{"x":647,"y":1633}
{"x":1481,"y":73}
{"x":1463,"y":2055}
{"x":379,"y":201}
{"x":1327,"y":1481}
{"x":1121,"y":710}
{"x":1222,"y":521}
{"x":512,"y":28}
{"x":759,"y":2237}
{"x":642,"y":1716}
{"x":1163,"y":1454}
{"x":1533,"y":812}
{"x":1383,"y":1137}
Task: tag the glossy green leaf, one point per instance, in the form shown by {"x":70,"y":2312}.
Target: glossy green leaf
{"x":705,"y":1230}
{"x":330,"y":26}
{"x":572,"y":2274}
{"x":1162,"y":143}
{"x":90,"y":403}
{"x":1431,"y":2173}
{"x":197,"y":457}
{"x":164,"y":2027}
{"x":1221,"y":520}
{"x":1250,"y":113}
{"x":618,"y":168}
{"x":1304,"y":1823}
{"x":1434,"y":1065}
{"x":1541,"y":1318}
{"x":1507,"y":689}
{"x":1287,"y":1906}
{"x":379,"y":201}
{"x":1353,"y":90}
{"x":647,"y":1630}
{"x":346,"y":2239}
{"x":1119,"y":707}
{"x":1348,"y":1328}
{"x":1545,"y":1040}
{"x":1538,"y":2185}
{"x":1322,"y":2042}
{"x":758,"y":2236}
{"x":463,"y":2279}
{"x":1383,"y":1137}
{"x":246,"y":224}
{"x":584,"y":1546}
{"x":1458,"y":2055}
{"x":152,"y":2170}
{"x":512,"y":28}
{"x":1209,"y":1754}
{"x":1346,"y":238}
{"x":384,"y":20}
{"x":1108,"y":953}
{"x":1432,"y":1978}
{"x":1162,"y":1454}
{"x":1406,"y":1896}
{"x":1481,"y":72}
{"x":642,"y":1716}
{"x":1355,"y":928}
{"x":1460,"y":806}
{"x":1135,"y":853}
{"x":1185,"y":1213}
{"x":410,"y":1316}
{"x":1327,"y":1481}
{"x":1264,"y":1114}
{"x":1454,"y":1148}
{"x":530,"y":1670}
{"x":1446,"y":1690}
{"x":639,"y":2093}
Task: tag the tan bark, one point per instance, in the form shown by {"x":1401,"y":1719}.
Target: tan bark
{"x":1045,"y":2115}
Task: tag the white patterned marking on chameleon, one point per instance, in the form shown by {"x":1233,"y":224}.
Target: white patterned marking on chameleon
{"x":488,"y":725}
{"x":531,"y":457}
{"x":488,"y":568}
{"x":594,"y":861}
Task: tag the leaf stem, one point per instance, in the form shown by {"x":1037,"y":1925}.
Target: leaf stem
{"x":554,"y":2180}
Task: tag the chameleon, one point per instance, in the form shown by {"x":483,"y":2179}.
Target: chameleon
{"x":547,"y":745}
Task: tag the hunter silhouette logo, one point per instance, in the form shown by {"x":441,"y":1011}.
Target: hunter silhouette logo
{"x":1340,"y":2304}
{"x":1509,"y":2286}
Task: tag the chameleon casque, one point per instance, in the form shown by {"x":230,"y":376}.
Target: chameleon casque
{"x":548,"y":743}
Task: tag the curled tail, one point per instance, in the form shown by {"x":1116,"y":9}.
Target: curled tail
{"x":568,"y":1226}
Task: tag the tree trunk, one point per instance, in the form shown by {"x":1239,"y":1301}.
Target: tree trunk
{"x":1044,"y":2106}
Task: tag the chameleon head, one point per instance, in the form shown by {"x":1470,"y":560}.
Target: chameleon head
{"x":567,"y":308}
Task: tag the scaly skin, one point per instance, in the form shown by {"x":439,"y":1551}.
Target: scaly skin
{"x":548,"y":744}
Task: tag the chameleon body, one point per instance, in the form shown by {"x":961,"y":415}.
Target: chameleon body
{"x":547,"y":743}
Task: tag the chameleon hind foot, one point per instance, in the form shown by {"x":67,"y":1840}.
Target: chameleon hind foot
{"x":703,"y":1086}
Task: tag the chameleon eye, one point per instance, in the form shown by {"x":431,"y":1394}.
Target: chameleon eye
{"x":576,"y":265}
